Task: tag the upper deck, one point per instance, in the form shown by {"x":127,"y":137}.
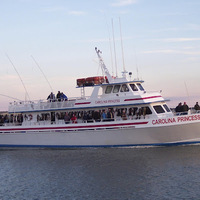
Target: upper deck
{"x":108,"y":91}
{"x":112,"y":95}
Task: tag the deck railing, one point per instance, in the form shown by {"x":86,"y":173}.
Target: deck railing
{"x":43,"y":104}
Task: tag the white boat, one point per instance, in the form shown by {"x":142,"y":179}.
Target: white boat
{"x":119,"y":112}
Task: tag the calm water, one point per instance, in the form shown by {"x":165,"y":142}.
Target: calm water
{"x":107,"y":173}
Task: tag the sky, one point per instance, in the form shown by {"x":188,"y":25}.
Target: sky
{"x":48,"y":44}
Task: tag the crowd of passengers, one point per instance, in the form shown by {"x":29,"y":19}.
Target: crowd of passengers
{"x":17,"y":119}
{"x":183,"y":108}
{"x":109,"y":114}
{"x":96,"y":115}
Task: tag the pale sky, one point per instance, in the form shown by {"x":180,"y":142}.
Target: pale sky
{"x":161,"y":42}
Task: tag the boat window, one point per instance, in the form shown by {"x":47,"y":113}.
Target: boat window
{"x":166,"y":108}
{"x":146,"y":110}
{"x":140,"y":86}
{"x":133,"y":87}
{"x":124,"y":88}
{"x":159,"y":109}
{"x":116,"y":89}
{"x":108,"y":89}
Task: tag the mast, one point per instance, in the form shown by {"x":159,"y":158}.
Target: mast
{"x":114,"y":49}
{"x":103,"y":66}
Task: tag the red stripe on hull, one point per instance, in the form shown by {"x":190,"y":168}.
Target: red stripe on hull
{"x":83,"y":103}
{"x":136,"y":99}
{"x":74,"y":127}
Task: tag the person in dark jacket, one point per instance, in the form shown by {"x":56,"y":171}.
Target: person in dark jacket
{"x":179,"y":108}
{"x":58,"y":96}
{"x":97,"y":116}
{"x":196,"y":106}
{"x":185,"y":109}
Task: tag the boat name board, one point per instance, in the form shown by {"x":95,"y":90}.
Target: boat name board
{"x":107,"y":101}
{"x":176,"y":119}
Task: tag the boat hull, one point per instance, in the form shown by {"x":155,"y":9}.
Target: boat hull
{"x":135,"y":135}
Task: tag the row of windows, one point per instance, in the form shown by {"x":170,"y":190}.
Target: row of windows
{"x":159,"y":109}
{"x":123,"y":88}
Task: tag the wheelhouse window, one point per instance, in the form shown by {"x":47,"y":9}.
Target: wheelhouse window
{"x":159,"y":109}
{"x":124,"y":88}
{"x":166,"y":108}
{"x":108,"y":89}
{"x":140,"y":87}
{"x":116,"y":88}
{"x":147,"y":110}
{"x":133,"y":87}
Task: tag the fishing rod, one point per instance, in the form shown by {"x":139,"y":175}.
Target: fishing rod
{"x":26,"y":92}
{"x":10,"y":97}
{"x":42,"y":72}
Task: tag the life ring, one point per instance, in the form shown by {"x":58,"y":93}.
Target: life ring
{"x":30,"y":117}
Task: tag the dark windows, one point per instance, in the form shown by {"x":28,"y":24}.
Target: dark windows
{"x":133,"y":87}
{"x":159,"y":109}
{"x":124,"y":88}
{"x":166,"y":108}
{"x":147,"y":110}
{"x":116,"y":89}
{"x":108,"y":89}
{"x":140,"y":87}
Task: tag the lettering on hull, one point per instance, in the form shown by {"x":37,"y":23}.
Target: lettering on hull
{"x":107,"y":101}
{"x":176,"y":120}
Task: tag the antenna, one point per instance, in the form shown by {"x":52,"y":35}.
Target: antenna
{"x":114,"y":48}
{"x":111,"y":56}
{"x":19,"y":77}
{"x":124,"y":70}
{"x":110,"y":46}
{"x":42,"y":73}
{"x":187,"y":90}
{"x":137,"y":70}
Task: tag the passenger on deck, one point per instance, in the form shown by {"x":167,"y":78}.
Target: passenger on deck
{"x":139,"y":113}
{"x":85,"y":117}
{"x":196,"y":106}
{"x":104,"y":115}
{"x":110,"y":115}
{"x":66,"y":118}
{"x":63,"y":97}
{"x":89,"y":117}
{"x":144,"y":111}
{"x":51,"y":97}
{"x":58,"y":96}
{"x":185,"y":109}
{"x":74,"y":119}
{"x":97,"y":116}
{"x":124,"y":116}
{"x":179,"y":108}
